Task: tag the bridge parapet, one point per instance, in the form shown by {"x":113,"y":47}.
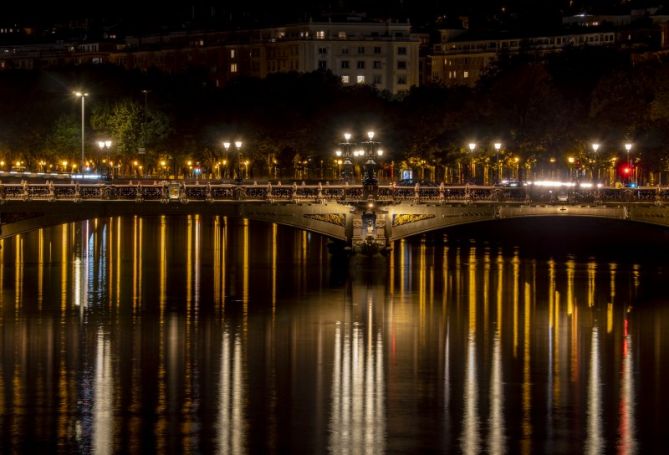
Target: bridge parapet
{"x":156,"y":191}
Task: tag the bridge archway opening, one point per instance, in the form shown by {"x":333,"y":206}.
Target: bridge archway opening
{"x":580,"y":237}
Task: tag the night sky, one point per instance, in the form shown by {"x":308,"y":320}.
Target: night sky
{"x":262,"y":11}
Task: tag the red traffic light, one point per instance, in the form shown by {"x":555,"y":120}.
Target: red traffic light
{"x":627,"y":170}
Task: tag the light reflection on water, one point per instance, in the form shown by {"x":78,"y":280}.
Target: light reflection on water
{"x":220,"y":335}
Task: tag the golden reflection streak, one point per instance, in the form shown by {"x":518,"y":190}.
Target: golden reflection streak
{"x":118,"y":261}
{"x":2,"y":322}
{"x":627,"y":443}
{"x":217,"y":260}
{"x":18,"y":273}
{"x":496,"y":441}
{"x":391,"y":272}
{"x":422,"y":291}
{"x":40,"y":268}
{"x":196,"y":284}
{"x":189,"y":267}
{"x":160,"y":428}
{"x":571,"y":265}
{"x":163,"y":268}
{"x":63,"y":395}
{"x":526,"y":443}
{"x":357,"y":419}
{"x":594,"y":443}
{"x":140,"y":261}
{"x":245,"y":272}
{"x":274,"y":269}
{"x":500,"y":293}
{"x":135,"y":249}
{"x":110,"y":265}
{"x":103,"y":404}
{"x":486,"y":292}
{"x":63,"y":271}
{"x":516,"y":277}
{"x":470,"y":440}
{"x":224,"y":259}
{"x":592,"y":274}
{"x":404,"y":273}
{"x":609,"y":308}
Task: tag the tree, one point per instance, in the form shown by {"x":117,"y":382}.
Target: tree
{"x":128,"y":127}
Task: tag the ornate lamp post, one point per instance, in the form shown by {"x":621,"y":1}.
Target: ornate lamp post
{"x":345,"y":152}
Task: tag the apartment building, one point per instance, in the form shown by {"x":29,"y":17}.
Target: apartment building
{"x":461,"y":58}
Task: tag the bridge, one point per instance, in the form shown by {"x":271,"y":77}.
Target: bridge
{"x":363,"y":218}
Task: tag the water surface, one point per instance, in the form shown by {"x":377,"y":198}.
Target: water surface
{"x":198,"y":334}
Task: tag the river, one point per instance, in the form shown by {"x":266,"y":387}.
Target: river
{"x":198,"y":334}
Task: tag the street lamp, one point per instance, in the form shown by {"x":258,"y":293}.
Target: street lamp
{"x":628,"y":148}
{"x":83,"y":96}
{"x":472,"y":147}
{"x":226,"y":146}
{"x":238,"y":146}
{"x":347,"y":174}
{"x":498,"y":147}
{"x":595,"y":147}
{"x":105,"y":145}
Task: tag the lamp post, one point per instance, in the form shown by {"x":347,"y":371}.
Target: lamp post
{"x":238,"y":146}
{"x":226,"y":146}
{"x":595,"y":147}
{"x":105,"y":145}
{"x":83,"y":96}
{"x":472,"y":147}
{"x":498,"y":147}
{"x":347,"y":173}
{"x":628,"y":148}
{"x":369,"y":179}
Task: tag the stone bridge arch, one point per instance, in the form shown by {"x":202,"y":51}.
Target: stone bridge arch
{"x":330,"y":220}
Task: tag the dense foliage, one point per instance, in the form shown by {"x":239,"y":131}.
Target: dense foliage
{"x":542,"y":111}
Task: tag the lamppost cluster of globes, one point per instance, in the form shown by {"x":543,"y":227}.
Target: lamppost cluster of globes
{"x":349,"y":150}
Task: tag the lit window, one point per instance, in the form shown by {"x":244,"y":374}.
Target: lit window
{"x":232,"y":53}
{"x":320,"y":34}
{"x":233,"y":67}
{"x":360,"y":79}
{"x":465,"y":74}
{"x":345,"y":79}
{"x":342,"y":35}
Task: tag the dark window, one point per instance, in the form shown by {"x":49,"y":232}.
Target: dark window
{"x":401,"y":65}
{"x":377,"y":50}
{"x":401,"y":51}
{"x":344,"y":64}
{"x":361,"y":50}
{"x":322,"y":65}
{"x":361,"y":65}
{"x":377,"y":64}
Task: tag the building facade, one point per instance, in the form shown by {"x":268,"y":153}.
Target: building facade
{"x":459,"y":59}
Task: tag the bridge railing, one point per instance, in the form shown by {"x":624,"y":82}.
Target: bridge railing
{"x":177,"y":191}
